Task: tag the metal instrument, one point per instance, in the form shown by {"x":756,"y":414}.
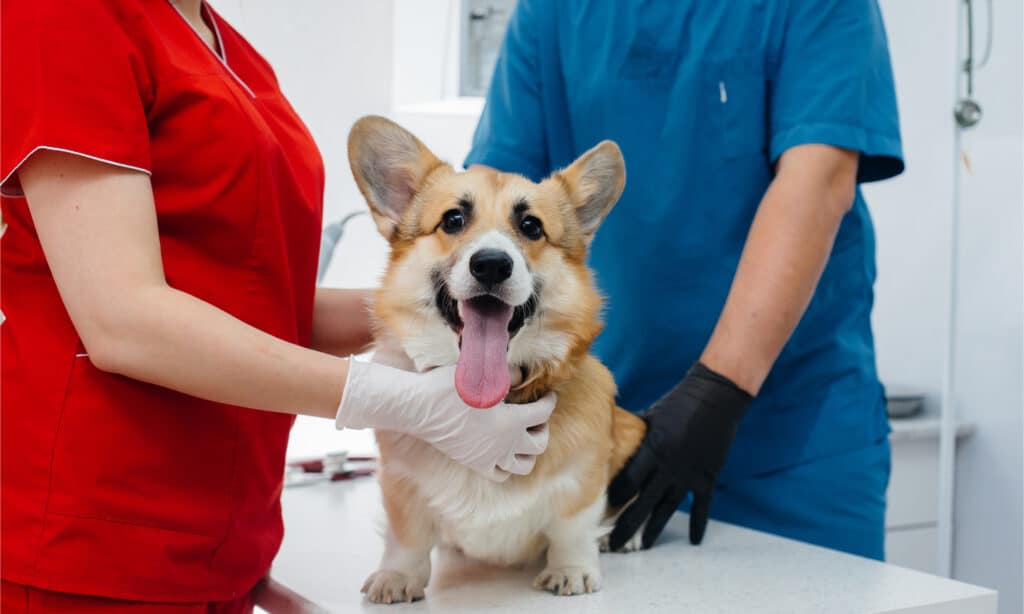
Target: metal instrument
{"x":968,"y":110}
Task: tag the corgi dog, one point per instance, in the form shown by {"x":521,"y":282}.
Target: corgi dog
{"x":487,"y":272}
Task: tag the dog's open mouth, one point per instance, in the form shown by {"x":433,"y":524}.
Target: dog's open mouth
{"x":485,"y":325}
{"x":482,"y":377}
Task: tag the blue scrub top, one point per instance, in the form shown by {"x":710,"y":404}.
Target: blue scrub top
{"x":703,"y":97}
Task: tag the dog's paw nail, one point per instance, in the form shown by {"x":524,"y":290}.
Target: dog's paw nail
{"x":569,"y":580}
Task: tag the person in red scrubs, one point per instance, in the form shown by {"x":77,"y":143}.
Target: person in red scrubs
{"x":163,"y":325}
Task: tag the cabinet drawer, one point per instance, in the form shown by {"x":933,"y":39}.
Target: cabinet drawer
{"x":912,"y":498}
{"x":913,"y":548}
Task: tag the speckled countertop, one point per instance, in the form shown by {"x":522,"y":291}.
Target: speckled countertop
{"x":332,"y":543}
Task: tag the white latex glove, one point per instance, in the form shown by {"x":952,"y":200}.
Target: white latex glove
{"x":494,"y":442}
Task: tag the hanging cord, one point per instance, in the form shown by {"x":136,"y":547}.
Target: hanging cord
{"x":969,"y":60}
{"x":989,"y":35}
{"x":970,"y":65}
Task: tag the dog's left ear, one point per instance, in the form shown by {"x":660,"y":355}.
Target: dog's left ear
{"x":595,"y":180}
{"x":389,"y":165}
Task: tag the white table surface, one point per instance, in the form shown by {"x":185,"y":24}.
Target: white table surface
{"x":332,"y":542}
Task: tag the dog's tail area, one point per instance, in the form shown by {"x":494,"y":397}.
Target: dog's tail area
{"x":627,"y":432}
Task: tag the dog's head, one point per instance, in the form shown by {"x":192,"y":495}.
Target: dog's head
{"x":487,"y":269}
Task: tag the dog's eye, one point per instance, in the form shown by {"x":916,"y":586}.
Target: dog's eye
{"x":453,"y":221}
{"x":531,"y":228}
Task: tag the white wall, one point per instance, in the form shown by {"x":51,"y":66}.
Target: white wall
{"x":914,"y":224}
{"x":426,"y":55}
{"x":912,"y":211}
{"x":988,"y":502}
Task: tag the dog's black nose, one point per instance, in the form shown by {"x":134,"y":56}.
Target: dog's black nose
{"x":490,"y":266}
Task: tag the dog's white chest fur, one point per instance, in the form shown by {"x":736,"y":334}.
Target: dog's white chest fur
{"x":501,"y":523}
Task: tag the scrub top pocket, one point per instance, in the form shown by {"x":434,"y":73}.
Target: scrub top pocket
{"x":733,"y":105}
{"x":127,"y":452}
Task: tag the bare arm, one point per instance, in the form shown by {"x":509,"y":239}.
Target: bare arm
{"x":97,"y":226}
{"x":784,"y":256}
{"x":341,"y":321}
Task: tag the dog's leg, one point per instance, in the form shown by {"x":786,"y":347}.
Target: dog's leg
{"x":573,"y":565}
{"x":628,"y":431}
{"x":635,"y":543}
{"x":411,"y":535}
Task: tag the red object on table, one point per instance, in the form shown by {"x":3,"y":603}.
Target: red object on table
{"x":316,"y":465}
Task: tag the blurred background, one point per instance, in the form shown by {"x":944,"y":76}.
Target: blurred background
{"x":948,"y":316}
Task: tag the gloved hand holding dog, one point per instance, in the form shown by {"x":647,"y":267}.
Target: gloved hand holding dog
{"x":689,"y":432}
{"x":495,"y":442}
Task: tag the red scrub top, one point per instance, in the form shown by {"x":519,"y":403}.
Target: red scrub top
{"x":111,"y":486}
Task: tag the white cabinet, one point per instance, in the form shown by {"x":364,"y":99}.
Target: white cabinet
{"x":913,"y":484}
{"x":911,"y":519}
{"x":913,"y":548}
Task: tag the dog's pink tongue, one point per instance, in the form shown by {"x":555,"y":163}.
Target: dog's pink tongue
{"x":481,"y":377}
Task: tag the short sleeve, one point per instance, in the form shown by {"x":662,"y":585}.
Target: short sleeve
{"x":510,"y":135}
{"x":833,"y":84}
{"x":71,"y":80}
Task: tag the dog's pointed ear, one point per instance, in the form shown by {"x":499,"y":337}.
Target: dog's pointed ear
{"x":389,"y":165}
{"x":595,"y":181}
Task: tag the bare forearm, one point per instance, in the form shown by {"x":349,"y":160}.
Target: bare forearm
{"x":172,"y":339}
{"x":782,"y":261}
{"x":98,"y":228}
{"x":341,"y":321}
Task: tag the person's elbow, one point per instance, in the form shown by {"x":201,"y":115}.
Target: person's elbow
{"x":114,"y":332}
{"x":105,"y":346}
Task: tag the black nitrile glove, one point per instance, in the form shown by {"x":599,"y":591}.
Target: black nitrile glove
{"x":689,"y":432}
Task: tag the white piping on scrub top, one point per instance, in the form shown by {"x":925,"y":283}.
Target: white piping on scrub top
{"x":4,"y":192}
{"x":222,"y":57}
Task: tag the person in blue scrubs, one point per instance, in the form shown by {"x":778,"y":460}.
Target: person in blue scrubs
{"x":739,"y":263}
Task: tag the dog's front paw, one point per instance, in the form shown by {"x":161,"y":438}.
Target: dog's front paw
{"x":569,"y":580}
{"x":387,"y":586}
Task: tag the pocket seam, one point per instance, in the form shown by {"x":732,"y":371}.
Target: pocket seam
{"x":133,"y":524}
{"x":717,"y":75}
{"x":53,"y":456}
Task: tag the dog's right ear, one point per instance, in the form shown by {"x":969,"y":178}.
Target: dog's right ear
{"x":389,"y":165}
